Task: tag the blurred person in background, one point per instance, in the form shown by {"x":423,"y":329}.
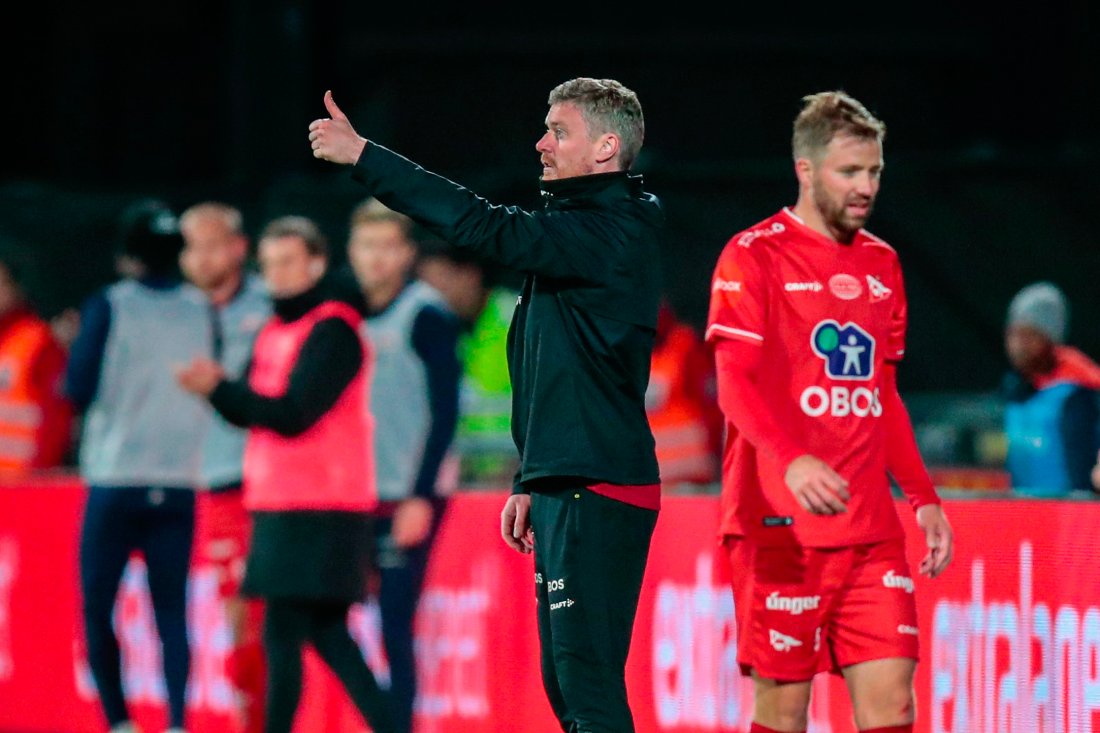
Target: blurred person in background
{"x":35,"y":418}
{"x":308,"y":471}
{"x":1052,"y":417}
{"x":681,"y":402}
{"x":214,"y":259}
{"x":414,"y":400}
{"x":483,"y":441}
{"x":140,"y":447}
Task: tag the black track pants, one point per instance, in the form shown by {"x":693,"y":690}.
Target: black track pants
{"x":590,"y":557}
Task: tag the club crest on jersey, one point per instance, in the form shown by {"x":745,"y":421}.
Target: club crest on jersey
{"x":845,"y":286}
{"x":848,"y":350}
{"x":877,"y":290}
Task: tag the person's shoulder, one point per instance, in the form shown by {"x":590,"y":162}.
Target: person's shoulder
{"x":427,"y":297}
{"x":1078,"y":366}
{"x":755,"y":243}
{"x":629,"y":219}
{"x":335,"y":319}
{"x":26,"y":319}
{"x":124,"y":286}
{"x":685,"y":336}
{"x":1015,"y":388}
{"x":100,"y":299}
{"x":192,"y":295}
{"x":254,"y":287}
{"x":32,"y":327}
{"x":433,"y":312}
{"x":763,"y":234}
{"x":653,"y":210}
{"x":873,"y":243}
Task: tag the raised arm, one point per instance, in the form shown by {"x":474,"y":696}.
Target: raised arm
{"x":579,"y":244}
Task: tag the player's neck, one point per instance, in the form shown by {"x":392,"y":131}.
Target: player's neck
{"x":811,"y":217}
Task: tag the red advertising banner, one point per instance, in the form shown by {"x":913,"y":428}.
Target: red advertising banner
{"x":1010,"y":634}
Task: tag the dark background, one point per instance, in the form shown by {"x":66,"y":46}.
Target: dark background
{"x":991,"y":150}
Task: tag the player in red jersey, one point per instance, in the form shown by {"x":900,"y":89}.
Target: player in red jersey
{"x":807,"y":320}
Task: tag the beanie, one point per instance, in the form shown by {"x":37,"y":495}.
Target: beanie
{"x":149,"y":232}
{"x":1043,"y":307}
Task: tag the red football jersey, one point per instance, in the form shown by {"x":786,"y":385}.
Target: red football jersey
{"x":828,"y":316}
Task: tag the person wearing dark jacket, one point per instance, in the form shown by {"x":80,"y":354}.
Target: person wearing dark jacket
{"x":308,"y":471}
{"x":586,"y":495}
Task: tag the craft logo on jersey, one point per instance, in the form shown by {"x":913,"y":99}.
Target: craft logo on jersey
{"x":848,"y":350}
{"x":878,"y":291}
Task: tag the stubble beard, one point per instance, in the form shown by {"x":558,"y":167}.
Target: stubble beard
{"x":836,"y":215}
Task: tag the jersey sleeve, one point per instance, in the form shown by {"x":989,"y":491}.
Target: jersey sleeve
{"x":899,"y":316}
{"x":738,"y":296}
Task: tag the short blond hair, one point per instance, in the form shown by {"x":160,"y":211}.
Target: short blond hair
{"x":373,"y":211}
{"x":827,"y":114}
{"x":228,"y":215}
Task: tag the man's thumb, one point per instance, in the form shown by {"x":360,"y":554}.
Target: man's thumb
{"x":333,"y":110}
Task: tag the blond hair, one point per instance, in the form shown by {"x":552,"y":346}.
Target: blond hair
{"x":373,"y":211}
{"x":229,"y":216}
{"x":827,"y":114}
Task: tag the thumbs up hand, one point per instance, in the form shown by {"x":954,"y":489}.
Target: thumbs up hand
{"x":334,"y":139}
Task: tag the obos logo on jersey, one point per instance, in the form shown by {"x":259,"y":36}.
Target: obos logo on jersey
{"x":849,"y":354}
{"x":848,"y":350}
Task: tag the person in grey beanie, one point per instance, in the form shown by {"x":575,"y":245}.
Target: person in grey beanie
{"x":1042,"y":307}
{"x":1052,"y":413}
{"x":140,"y":449}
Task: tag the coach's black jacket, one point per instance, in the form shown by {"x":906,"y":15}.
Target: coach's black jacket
{"x":581,"y":339}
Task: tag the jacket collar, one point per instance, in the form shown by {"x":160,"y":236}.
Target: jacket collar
{"x":295,"y":306}
{"x":616,"y":183}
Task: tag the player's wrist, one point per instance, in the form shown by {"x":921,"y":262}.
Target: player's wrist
{"x":787,"y":455}
{"x":932,"y":502}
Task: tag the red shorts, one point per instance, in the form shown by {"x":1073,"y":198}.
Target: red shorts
{"x":223,"y":528}
{"x":804,"y":610}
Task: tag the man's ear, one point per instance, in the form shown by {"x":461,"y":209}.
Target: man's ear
{"x":804,"y":171}
{"x":607,"y":147}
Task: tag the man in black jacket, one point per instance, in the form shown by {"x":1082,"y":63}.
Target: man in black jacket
{"x":579,"y":351}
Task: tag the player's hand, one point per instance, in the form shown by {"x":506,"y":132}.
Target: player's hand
{"x":412,"y":522}
{"x":818,"y":488}
{"x":201,"y":376}
{"x":940,"y":539}
{"x":333,"y":139}
{"x":515,"y":523}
